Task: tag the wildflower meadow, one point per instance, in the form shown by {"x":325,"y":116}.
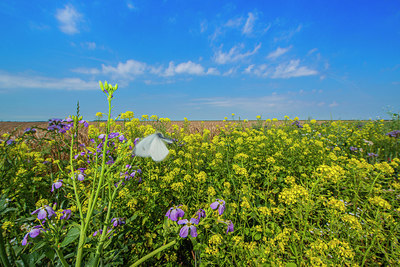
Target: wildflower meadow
{"x":293,"y":193}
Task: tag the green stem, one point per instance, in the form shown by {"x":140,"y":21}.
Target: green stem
{"x":3,"y":254}
{"x":366,"y":252}
{"x":104,"y":233}
{"x":61,"y":257}
{"x":93,"y":198}
{"x":155,"y":252}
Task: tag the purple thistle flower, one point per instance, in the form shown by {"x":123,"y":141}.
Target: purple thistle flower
{"x":34,"y":232}
{"x":56,"y":185}
{"x":174,"y":213}
{"x":188,"y":225}
{"x":66,"y":214}
{"x":220,"y":204}
{"x":42,"y":212}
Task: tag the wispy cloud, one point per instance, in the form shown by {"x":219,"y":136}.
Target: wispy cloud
{"x":287,"y":35}
{"x":130,"y":6}
{"x":278,"y":52}
{"x":69,"y":17}
{"x":248,"y":26}
{"x":234,"y":54}
{"x":25,"y":81}
{"x":292,"y":69}
{"x":89,"y":45}
{"x":234,"y":23}
{"x":333,"y":104}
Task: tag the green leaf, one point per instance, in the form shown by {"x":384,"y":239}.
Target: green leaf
{"x":73,"y":234}
{"x":291,"y":264}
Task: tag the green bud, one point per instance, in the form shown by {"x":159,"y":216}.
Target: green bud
{"x":101,"y":86}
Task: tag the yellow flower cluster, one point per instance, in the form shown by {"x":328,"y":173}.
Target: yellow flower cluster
{"x":351,"y":221}
{"x":294,"y":194}
{"x":380,"y":202}
{"x":336,"y":204}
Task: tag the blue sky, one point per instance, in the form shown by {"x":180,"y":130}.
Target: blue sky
{"x":200,"y":59}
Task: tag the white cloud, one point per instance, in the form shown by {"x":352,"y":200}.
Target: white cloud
{"x":89,"y":45}
{"x":24,"y":81}
{"x":212,"y":71}
{"x":68,"y":18}
{"x":129,"y":68}
{"x":233,"y":54}
{"x":203,"y":26}
{"x":248,"y":26}
{"x":333,"y":104}
{"x":278,"y":52}
{"x":229,"y":72}
{"x":288,"y":34}
{"x":92,"y":71}
{"x":130,"y":6}
{"x":271,"y":103}
{"x":249,"y":68}
{"x":262,"y":70}
{"x":234,"y":23}
{"x":189,"y":68}
{"x":292,"y":69}
{"x":312,"y":51}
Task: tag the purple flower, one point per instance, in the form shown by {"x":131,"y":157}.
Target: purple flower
{"x":42,"y":212}
{"x":220,"y":204}
{"x":297,"y":123}
{"x":98,"y":232}
{"x":30,"y":130}
{"x":352,"y":148}
{"x":117,"y":221}
{"x":112,"y":135}
{"x":135,"y":141}
{"x":102,"y":136}
{"x":10,"y":142}
{"x":56,"y":185}
{"x":34,"y":232}
{"x":230,"y":227}
{"x":66,"y":214}
{"x":121,"y":138}
{"x":395,"y":133}
{"x":188,"y":225}
{"x":81,"y":177}
{"x":372,"y":155}
{"x":201,"y":214}
{"x":174,"y":213}
{"x":85,"y":123}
